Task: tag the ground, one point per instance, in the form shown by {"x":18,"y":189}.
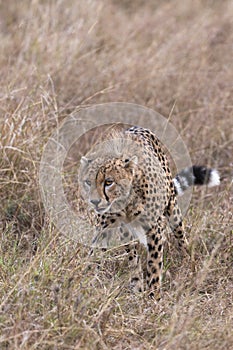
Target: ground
{"x":174,"y":57}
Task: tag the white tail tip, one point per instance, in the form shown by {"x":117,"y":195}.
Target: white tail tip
{"x":214,"y":178}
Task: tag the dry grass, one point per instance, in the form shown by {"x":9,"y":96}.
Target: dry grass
{"x":57,"y":55}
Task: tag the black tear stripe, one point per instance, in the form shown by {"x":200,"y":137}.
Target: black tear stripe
{"x":105,"y":194}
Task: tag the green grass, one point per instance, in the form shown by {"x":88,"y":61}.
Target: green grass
{"x":57,"y":56}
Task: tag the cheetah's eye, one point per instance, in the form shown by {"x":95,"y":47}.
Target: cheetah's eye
{"x":108,"y":182}
{"x":87,"y":182}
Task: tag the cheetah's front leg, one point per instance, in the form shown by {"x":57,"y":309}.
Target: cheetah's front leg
{"x":155,"y":258}
{"x":136,"y":274}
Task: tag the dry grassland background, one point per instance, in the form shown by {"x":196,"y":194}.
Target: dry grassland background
{"x":172,"y":56}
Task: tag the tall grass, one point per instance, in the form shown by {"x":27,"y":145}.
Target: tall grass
{"x":56,"y":56}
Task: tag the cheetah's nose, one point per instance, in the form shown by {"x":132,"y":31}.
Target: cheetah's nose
{"x":95,"y":202}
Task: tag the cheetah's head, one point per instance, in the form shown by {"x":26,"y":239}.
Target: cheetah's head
{"x":107,"y":185}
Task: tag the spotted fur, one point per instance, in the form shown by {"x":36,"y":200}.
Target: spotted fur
{"x":130,"y":186}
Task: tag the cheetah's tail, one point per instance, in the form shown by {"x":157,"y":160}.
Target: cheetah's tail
{"x":195,"y":175}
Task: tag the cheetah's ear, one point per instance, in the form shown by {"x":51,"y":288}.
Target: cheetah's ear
{"x":131,"y":161}
{"x":85,"y":161}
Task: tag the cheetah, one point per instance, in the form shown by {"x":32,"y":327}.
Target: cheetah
{"x":128,"y":184}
